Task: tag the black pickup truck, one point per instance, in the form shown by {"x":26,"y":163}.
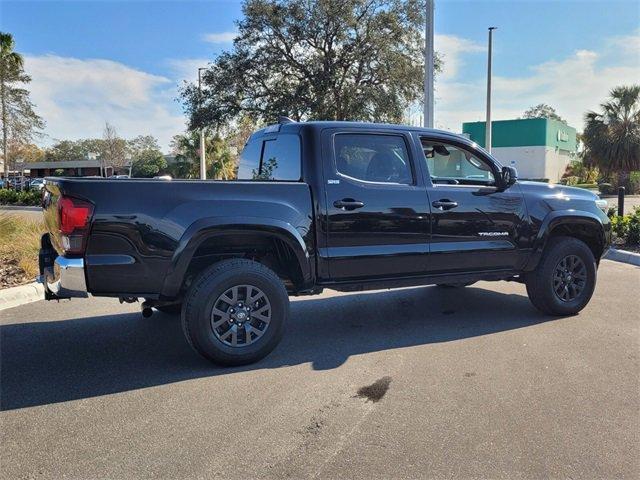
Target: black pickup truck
{"x":341,"y":205}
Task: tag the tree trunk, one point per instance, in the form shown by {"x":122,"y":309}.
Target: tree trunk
{"x":623,"y":179}
{"x":5,"y":130}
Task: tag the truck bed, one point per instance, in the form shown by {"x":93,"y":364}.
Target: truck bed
{"x":140,"y":225}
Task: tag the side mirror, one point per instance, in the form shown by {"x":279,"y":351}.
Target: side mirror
{"x":509,"y":176}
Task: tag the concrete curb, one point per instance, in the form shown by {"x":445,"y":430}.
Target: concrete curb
{"x":623,"y":256}
{"x":16,"y":296}
{"x":29,"y":208}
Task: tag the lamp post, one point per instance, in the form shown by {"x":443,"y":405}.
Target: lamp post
{"x":487,"y":142}
{"x":428,"y":64}
{"x":203,"y":163}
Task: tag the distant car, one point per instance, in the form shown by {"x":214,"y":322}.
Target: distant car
{"x":36,"y":184}
{"x":119,"y":176}
{"x":163,"y":177}
{"x":17,"y":184}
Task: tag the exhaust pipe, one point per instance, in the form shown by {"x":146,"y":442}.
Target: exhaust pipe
{"x":147,"y":311}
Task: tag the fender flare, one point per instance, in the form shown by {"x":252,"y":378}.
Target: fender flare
{"x":207,"y":228}
{"x":555,"y":219}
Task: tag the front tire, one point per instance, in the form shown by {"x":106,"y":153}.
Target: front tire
{"x":565,"y":278}
{"x":235,"y":312}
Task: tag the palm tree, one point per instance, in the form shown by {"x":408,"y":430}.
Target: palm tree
{"x":612,"y":138}
{"x":11,"y":64}
{"x":220,"y":161}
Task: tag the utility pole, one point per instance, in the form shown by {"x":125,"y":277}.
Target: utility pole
{"x":428,"y":64}
{"x":487,"y":125}
{"x":203,"y":163}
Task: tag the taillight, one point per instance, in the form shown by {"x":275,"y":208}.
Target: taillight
{"x":74,"y":223}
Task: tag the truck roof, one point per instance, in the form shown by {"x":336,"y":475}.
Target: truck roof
{"x":295,"y":127}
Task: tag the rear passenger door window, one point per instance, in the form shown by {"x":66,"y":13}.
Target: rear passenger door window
{"x":277,"y":158}
{"x":373,"y":158}
{"x":280,"y":159}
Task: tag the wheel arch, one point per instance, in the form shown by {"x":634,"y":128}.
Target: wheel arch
{"x":584,"y":226}
{"x":227,"y":231}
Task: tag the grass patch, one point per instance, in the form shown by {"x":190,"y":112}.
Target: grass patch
{"x":19,"y":246}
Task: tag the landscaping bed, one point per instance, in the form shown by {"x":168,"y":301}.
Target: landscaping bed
{"x":19,"y":246}
{"x":626,"y":230}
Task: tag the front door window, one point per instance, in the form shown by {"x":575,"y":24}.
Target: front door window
{"x":451,"y":165}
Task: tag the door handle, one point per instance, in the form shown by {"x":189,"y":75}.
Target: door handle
{"x":444,"y":204}
{"x":348,"y":204}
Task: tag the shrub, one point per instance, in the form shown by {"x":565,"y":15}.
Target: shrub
{"x":8,"y":197}
{"x":631,"y":186}
{"x":570,"y":181}
{"x":633,"y":231}
{"x":634,"y":183}
{"x":620,"y":226}
{"x":606,"y":189}
{"x":25,"y":197}
{"x":627,"y":228}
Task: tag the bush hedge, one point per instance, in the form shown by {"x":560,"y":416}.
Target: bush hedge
{"x":626,"y":228}
{"x":25,"y":197}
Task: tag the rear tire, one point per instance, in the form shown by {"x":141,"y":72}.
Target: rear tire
{"x":235,"y":312}
{"x":565,"y":278}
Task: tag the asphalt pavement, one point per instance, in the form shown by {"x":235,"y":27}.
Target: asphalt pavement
{"x":412,"y":383}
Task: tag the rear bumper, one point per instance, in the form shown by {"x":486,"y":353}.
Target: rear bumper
{"x":62,"y":277}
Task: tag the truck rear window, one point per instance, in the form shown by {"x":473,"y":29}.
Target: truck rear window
{"x":271,"y":159}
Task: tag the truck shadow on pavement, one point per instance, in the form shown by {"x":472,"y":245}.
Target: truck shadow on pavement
{"x":50,"y":362}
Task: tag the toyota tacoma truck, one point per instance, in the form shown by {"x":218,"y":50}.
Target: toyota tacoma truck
{"x":339,"y":205}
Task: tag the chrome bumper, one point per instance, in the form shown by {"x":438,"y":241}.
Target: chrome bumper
{"x":65,"y":279}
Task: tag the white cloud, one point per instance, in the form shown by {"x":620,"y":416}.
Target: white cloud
{"x":76,"y":97}
{"x":220,"y":37}
{"x":453,"y":49}
{"x":187,"y":68}
{"x":573,"y":85}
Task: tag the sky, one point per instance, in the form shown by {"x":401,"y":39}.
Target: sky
{"x":94,"y":61}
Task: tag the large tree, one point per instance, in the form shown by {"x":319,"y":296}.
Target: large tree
{"x":64,"y":150}
{"x":114,"y":149}
{"x":612,"y":137}
{"x":20,"y":123}
{"x":148,"y":163}
{"x":139,"y":144}
{"x":542,"y":110}
{"x":315,"y":59}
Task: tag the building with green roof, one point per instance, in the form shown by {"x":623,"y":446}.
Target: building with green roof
{"x":537,"y":147}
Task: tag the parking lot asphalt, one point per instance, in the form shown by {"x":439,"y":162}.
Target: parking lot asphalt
{"x":412,"y":383}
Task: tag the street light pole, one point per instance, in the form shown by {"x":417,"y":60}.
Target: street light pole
{"x":487,"y":142}
{"x":428,"y":64}
{"x":203,"y":162}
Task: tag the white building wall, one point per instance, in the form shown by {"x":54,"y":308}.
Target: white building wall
{"x":556,"y":165}
{"x":534,"y":162}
